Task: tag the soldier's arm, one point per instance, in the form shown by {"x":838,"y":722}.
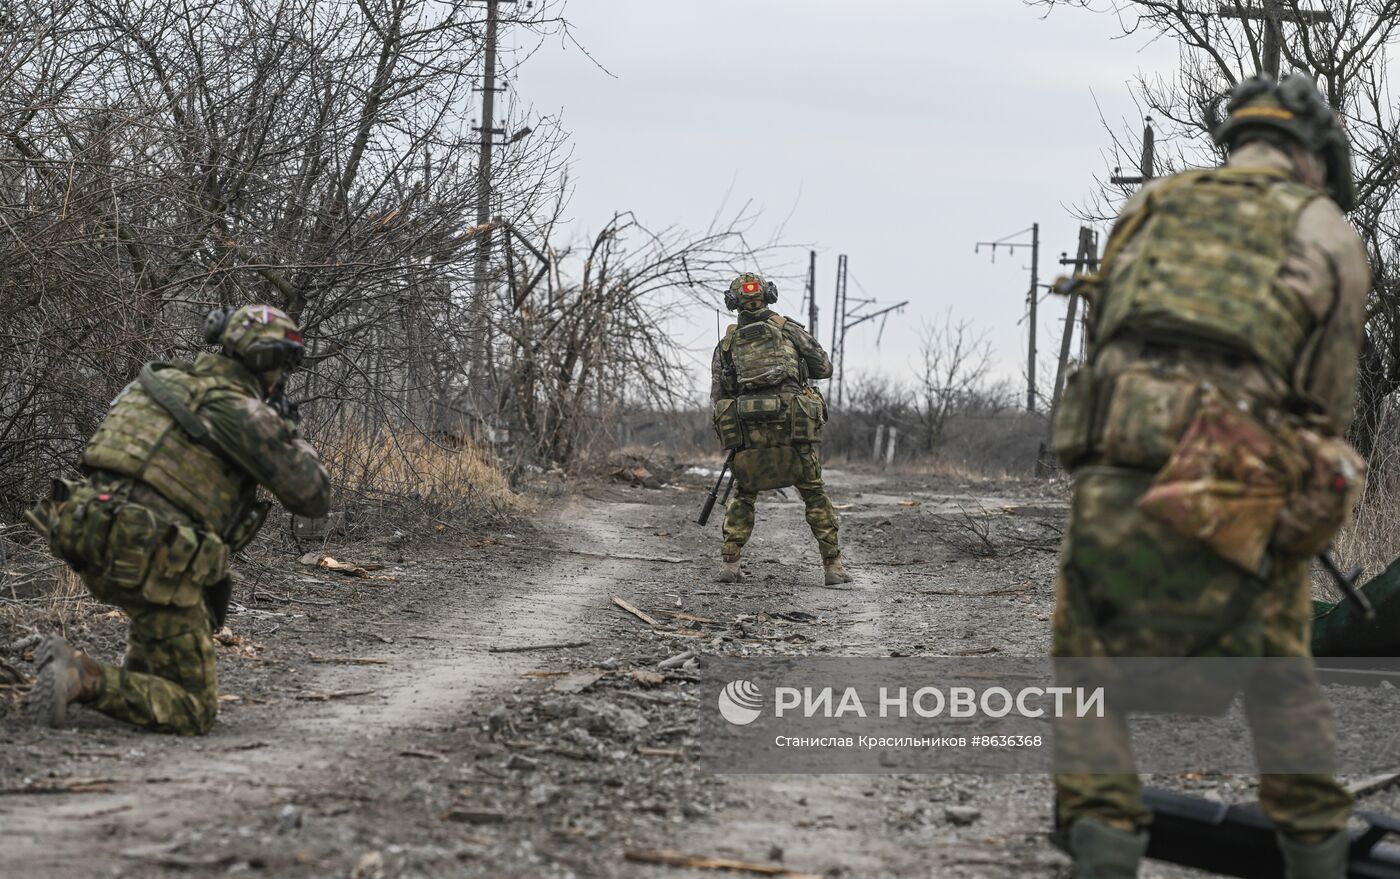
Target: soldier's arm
{"x":258,"y":440}
{"x":717,"y":391}
{"x":818,"y":364}
{"x":1327,"y":267}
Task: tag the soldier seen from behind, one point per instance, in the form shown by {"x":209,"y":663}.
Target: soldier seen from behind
{"x":1204,"y":434}
{"x":771,"y":418}
{"x":168,"y":494}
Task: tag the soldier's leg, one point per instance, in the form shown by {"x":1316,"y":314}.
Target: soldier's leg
{"x":821,"y":515}
{"x":738,"y":523}
{"x":168,"y":682}
{"x":1293,"y":728}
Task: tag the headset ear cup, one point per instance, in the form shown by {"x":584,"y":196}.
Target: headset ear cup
{"x":770,"y":293}
{"x":731,"y":301}
{"x":215,"y":322}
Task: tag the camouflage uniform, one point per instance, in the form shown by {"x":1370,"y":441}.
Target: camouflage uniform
{"x":1131,"y":586}
{"x":775,"y":455}
{"x":151,"y":527}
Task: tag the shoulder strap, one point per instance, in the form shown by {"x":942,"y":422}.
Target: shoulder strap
{"x":778,"y":320}
{"x":159,"y":391}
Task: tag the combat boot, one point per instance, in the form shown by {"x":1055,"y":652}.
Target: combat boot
{"x":835,"y":571}
{"x":729,"y":571}
{"x":1104,"y":852}
{"x":65,"y":676}
{"x":1326,"y":859}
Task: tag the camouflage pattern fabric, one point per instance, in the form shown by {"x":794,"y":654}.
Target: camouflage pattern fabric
{"x":168,"y":682}
{"x":1130,"y":585}
{"x":821,"y":516}
{"x":1214,"y":244}
{"x":173,"y":503}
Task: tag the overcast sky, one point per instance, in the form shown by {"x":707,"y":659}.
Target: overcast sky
{"x":898,"y":132}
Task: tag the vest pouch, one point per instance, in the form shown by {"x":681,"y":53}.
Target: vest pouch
{"x":1145,"y":419}
{"x":81,"y":525}
{"x":726,"y":421}
{"x":761,"y":408}
{"x":1332,"y":480}
{"x":130,"y":546}
{"x":807,"y":419}
{"x":764,"y":469}
{"x":1073,"y":436}
{"x":170,"y":564}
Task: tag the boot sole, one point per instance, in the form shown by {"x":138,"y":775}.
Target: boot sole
{"x":44,"y":706}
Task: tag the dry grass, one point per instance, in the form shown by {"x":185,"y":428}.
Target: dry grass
{"x":1372,"y":540}
{"x":398,"y":474}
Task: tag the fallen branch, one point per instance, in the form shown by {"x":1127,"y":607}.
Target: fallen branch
{"x":641,"y":615}
{"x":670,"y":560}
{"x":333,"y":694}
{"x":699,"y":862}
{"x":526,"y":648}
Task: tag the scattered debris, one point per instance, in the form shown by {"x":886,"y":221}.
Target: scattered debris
{"x":525,"y":648}
{"x":648,"y":678}
{"x":1373,"y":784}
{"x":795,"y":616}
{"x":677,"y":660}
{"x":577,"y":681}
{"x":370,"y":866}
{"x":962,"y":816}
{"x":345,"y":660}
{"x":62,"y":786}
{"x":422,"y":755}
{"x":521,"y":763}
{"x":638,"y":476}
{"x":645,"y":751}
{"x":333,"y":694}
{"x":700,"y":862}
{"x":473,"y":816}
{"x":289,"y":818}
{"x":641,"y":615}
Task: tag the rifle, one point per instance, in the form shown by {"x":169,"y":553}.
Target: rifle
{"x":1346,"y":581}
{"x":714,"y":492}
{"x":1239,"y":840}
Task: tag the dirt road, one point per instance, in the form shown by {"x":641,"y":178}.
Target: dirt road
{"x":372,"y":727}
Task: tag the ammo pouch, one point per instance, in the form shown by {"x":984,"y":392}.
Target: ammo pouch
{"x":763,"y":469}
{"x":1073,"y":436}
{"x":808,"y":416}
{"x":247,"y":526}
{"x":1145,"y":418}
{"x":726,"y":421}
{"x":1331,"y":482}
{"x":131,"y":552}
{"x":761,"y":408}
{"x":1226,"y":483}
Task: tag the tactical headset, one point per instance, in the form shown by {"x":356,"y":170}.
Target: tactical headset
{"x":749,"y":284}
{"x":258,"y":354}
{"x":1300,"y":113}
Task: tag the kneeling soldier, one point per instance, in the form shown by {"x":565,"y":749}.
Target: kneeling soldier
{"x":169,"y":493}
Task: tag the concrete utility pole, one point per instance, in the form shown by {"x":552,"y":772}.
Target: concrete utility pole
{"x":1273,"y":16}
{"x":843,"y":320}
{"x":812,"y":293}
{"x":1032,"y":297}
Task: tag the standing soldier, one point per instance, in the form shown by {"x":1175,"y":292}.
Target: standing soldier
{"x":169,"y":494}
{"x":767,"y":413}
{"x":1226,"y":321}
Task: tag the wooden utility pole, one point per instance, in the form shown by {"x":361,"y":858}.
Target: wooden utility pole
{"x":481,"y":270}
{"x":1032,"y":296}
{"x":1273,"y":16}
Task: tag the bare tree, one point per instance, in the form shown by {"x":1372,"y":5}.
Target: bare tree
{"x":1348,"y":56}
{"x":952,"y":367}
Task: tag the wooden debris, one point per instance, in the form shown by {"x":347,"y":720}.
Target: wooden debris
{"x":63,"y":786}
{"x":333,"y":694}
{"x":473,"y":816}
{"x":688,"y":617}
{"x":670,"y":560}
{"x":645,"y":751}
{"x":677,"y":660}
{"x":421,"y":755}
{"x":577,"y":681}
{"x":1373,"y":784}
{"x":648,"y":678}
{"x":525,"y":648}
{"x":639,"y":614}
{"x":700,"y":862}
{"x":346,"y":660}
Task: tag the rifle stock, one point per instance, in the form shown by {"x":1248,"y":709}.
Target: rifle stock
{"x":1346,"y":581}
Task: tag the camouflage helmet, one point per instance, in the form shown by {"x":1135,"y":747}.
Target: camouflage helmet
{"x":1294,"y":107}
{"x":749,"y":286}
{"x":260,"y":337}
